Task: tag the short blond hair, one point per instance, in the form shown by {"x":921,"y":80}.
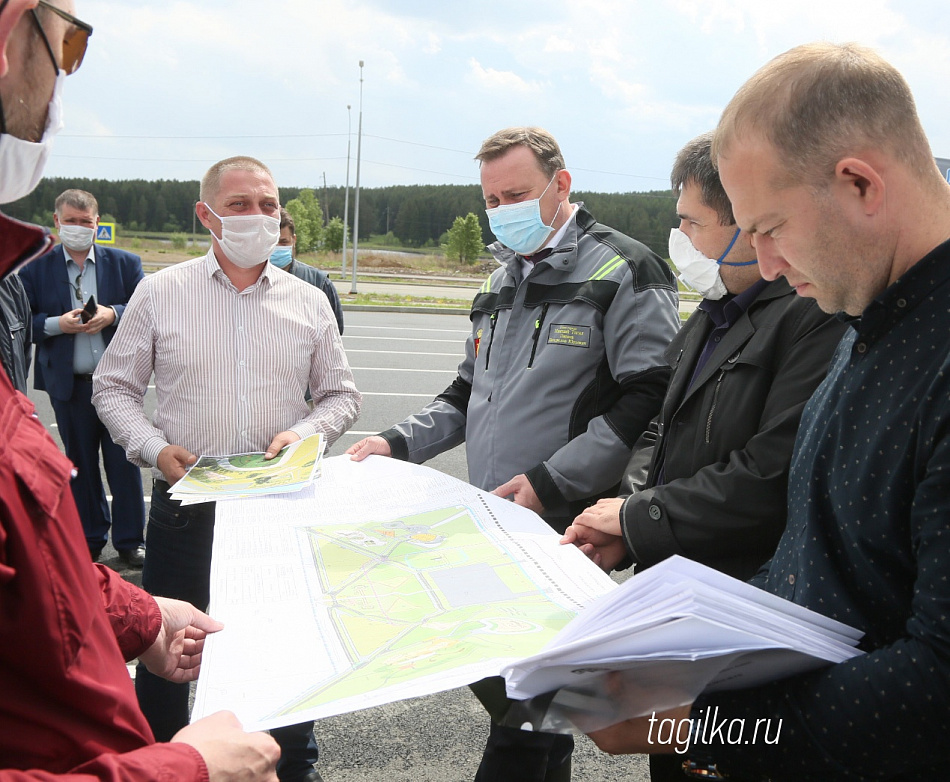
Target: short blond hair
{"x":211,"y":181}
{"x":539,"y":141}
{"x":821,"y":102}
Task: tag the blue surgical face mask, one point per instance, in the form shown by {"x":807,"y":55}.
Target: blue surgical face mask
{"x":282,"y":256}
{"x":519,"y":226}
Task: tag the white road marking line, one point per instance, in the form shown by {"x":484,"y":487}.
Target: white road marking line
{"x":401,"y":339}
{"x":400,"y":369}
{"x":403,"y":353}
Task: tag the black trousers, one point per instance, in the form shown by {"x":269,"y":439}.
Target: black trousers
{"x":513,"y":755}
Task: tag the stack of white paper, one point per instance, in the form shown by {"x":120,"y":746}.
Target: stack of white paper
{"x":679,"y":629}
{"x":245,"y":475}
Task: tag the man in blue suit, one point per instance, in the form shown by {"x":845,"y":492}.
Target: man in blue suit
{"x":79,"y":274}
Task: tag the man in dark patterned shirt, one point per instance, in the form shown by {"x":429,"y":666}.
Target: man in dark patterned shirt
{"x":827,"y":165}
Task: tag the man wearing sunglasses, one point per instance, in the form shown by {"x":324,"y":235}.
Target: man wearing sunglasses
{"x":66,"y":626}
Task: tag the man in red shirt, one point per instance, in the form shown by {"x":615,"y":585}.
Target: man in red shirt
{"x":66,"y":626}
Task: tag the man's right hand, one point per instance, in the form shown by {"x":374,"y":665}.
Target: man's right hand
{"x":368,"y":446}
{"x":603,"y":549}
{"x":70,"y":323}
{"x":174,"y":461}
{"x":231,"y":754}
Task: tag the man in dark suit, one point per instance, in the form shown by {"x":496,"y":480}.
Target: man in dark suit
{"x":78,"y":275}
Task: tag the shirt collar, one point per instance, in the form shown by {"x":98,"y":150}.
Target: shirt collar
{"x":550,"y":245}
{"x":917,"y":284}
{"x":555,"y":240}
{"x":727,"y":310}
{"x":90,"y":255}
{"x":212,"y":267}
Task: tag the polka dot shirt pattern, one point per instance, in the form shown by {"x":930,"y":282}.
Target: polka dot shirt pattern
{"x":868,"y":543}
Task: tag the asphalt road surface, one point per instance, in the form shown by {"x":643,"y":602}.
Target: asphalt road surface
{"x":400,"y":362}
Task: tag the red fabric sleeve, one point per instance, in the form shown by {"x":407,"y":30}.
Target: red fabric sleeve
{"x":132,"y":612}
{"x":180,"y":762}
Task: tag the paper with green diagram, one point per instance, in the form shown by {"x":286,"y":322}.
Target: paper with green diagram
{"x":382,"y":581}
{"x":241,"y":476}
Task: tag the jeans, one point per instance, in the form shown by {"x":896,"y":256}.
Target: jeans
{"x":178,"y":565}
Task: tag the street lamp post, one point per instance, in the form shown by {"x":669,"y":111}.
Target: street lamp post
{"x":356,"y":216}
{"x":346,"y":197}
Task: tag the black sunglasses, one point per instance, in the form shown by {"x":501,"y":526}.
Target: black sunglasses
{"x":74,"y":42}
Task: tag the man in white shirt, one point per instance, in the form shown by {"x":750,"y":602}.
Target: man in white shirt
{"x":233,"y":343}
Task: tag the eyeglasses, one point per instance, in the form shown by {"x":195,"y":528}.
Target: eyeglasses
{"x":74,"y":42}
{"x":77,"y":287}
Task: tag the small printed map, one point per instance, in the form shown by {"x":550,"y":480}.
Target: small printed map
{"x":420,"y":595}
{"x":242,"y":475}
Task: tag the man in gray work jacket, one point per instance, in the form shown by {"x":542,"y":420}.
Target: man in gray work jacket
{"x":563,"y":370}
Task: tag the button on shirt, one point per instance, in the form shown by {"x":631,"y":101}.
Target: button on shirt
{"x":868,"y":543}
{"x":231,"y":367}
{"x":87,"y":348}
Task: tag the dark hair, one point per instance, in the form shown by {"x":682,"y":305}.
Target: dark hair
{"x":286,"y":221}
{"x":694,"y":164}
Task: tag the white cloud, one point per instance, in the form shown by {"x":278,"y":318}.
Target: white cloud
{"x":500,"y":84}
{"x":622,"y":83}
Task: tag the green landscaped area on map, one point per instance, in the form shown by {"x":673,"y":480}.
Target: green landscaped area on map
{"x":419,"y":595}
{"x":250,"y":470}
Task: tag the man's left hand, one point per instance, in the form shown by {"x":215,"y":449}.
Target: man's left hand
{"x":603,"y":516}
{"x":105,"y":316}
{"x":640,"y":735}
{"x":176,"y":653}
{"x":521,"y":492}
{"x":281,"y":440}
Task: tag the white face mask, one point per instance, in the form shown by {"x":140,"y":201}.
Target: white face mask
{"x":696,"y":270}
{"x":77,"y":237}
{"x":247,"y":240}
{"x":22,"y":162}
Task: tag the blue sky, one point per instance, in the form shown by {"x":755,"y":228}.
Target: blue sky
{"x":168,"y":88}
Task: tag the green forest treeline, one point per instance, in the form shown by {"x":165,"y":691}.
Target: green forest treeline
{"x":417,"y":215}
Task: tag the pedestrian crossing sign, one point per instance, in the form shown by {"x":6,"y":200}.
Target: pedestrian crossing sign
{"x":105,"y":233}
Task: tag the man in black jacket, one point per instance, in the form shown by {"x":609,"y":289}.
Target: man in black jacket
{"x":708,"y":478}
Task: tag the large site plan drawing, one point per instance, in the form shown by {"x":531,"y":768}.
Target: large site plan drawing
{"x":384,"y":581}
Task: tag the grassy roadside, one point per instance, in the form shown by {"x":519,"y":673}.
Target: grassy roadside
{"x":157,"y":254}
{"x":392,"y":268}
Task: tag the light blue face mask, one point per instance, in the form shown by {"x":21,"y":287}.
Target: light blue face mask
{"x":282,"y":256}
{"x":519,"y":226}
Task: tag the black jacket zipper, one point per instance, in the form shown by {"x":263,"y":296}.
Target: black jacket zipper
{"x":491,"y":337}
{"x":537,"y":332}
{"x":712,"y":408}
